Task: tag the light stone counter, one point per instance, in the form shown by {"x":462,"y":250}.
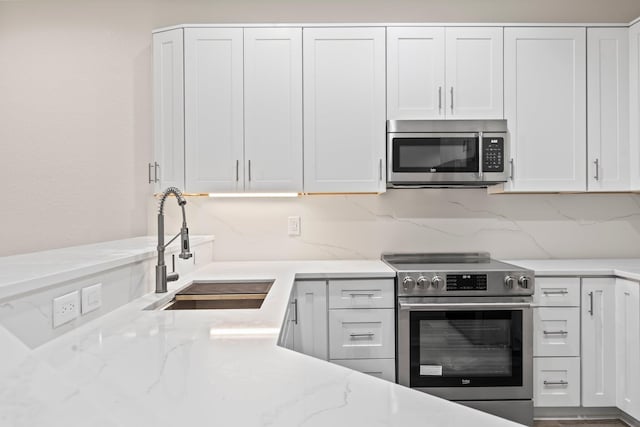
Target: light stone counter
{"x":211,"y":367}
{"x":25,"y":273}
{"x":625,"y":268}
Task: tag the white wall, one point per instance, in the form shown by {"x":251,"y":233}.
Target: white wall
{"x":75,"y":97}
{"x":364,"y":226}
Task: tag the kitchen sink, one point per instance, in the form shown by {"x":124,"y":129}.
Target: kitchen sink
{"x":218,"y":295}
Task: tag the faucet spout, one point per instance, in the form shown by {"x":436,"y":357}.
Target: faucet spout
{"x":185,"y":253}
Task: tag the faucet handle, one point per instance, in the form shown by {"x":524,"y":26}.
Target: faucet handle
{"x":172,"y":277}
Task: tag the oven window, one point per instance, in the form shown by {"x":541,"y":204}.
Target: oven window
{"x":466,"y":348}
{"x":435,"y":154}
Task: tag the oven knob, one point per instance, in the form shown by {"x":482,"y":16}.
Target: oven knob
{"x":408,"y":283}
{"x":436,"y":281}
{"x":423,"y":282}
{"x":509,"y":281}
{"x":524,"y":282}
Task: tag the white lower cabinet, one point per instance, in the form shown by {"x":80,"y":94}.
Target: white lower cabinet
{"x":381,"y":368}
{"x":310,"y":318}
{"x":628,"y":347}
{"x":598,"y":342}
{"x":556,"y":381}
{"x":361,"y":334}
{"x":556,"y":331}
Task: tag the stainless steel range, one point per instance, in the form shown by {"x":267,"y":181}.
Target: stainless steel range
{"x":464,"y":330}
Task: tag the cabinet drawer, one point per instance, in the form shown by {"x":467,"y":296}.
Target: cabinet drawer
{"x":367,"y":293}
{"x":381,"y":368}
{"x":556,"y":381}
{"x":361,"y":334}
{"x":556,"y":331}
{"x":557,"y":291}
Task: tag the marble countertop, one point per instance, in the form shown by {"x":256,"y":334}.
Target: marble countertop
{"x":29,"y":272}
{"x":135,"y":367}
{"x":628,"y":268}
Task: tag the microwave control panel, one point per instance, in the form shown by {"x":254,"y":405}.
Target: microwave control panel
{"x":493,"y":154}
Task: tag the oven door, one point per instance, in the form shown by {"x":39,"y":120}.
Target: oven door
{"x":465,"y":348}
{"x":433,"y":157}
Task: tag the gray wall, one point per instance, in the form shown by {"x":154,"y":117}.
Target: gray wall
{"x":75,"y":97}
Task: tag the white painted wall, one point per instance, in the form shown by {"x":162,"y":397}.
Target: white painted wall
{"x":363,"y":226}
{"x":75,"y":98}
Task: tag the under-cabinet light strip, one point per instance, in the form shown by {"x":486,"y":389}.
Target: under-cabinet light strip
{"x":238,"y":195}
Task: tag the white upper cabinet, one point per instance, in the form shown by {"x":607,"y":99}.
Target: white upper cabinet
{"x":415,"y":73}
{"x":344,"y":110}
{"x":545,"y":107}
{"x":474,"y":73}
{"x":608,"y":109}
{"x":168,"y":111}
{"x":634,"y":111}
{"x":213,"y":109}
{"x":438,"y":73}
{"x":273,"y":109}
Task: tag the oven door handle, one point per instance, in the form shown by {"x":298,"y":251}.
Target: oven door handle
{"x":464,"y":305}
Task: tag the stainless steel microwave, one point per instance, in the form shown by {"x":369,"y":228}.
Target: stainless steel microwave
{"x":445,"y":153}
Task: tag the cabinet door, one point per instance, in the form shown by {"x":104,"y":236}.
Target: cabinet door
{"x":273,"y":109}
{"x":634,"y":93}
{"x":628,"y":347}
{"x":310,"y":330}
{"x":213,"y":109}
{"x":415,"y":73}
{"x":474,"y":73}
{"x":168,"y":110}
{"x":287,"y":333}
{"x":545,"y":107}
{"x":598,"y":342}
{"x":344,"y":110}
{"x":608,"y":109}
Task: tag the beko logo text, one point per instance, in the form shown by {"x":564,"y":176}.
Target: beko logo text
{"x":465,"y":382}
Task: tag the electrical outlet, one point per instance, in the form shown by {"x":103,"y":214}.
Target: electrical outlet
{"x":293,"y":225}
{"x":66,"y":308}
{"x":91,"y":298}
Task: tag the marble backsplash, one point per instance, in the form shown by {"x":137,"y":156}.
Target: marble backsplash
{"x":509,"y":226}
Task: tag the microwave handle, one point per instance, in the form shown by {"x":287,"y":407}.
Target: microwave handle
{"x":481,"y":154}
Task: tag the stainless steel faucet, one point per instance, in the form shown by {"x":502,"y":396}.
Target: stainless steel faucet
{"x":161,"y":269}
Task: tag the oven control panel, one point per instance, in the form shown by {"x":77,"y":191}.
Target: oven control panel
{"x":466,"y":282}
{"x":498,"y":283}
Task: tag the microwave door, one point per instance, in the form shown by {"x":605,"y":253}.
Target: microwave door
{"x":444,"y":158}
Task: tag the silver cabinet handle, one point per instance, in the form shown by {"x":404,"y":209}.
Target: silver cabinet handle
{"x":237,"y":170}
{"x":380,"y":170}
{"x":295,"y":311}
{"x":150,"y":166}
{"x":597,"y":175}
{"x":591,"y":303}
{"x":362,"y":294}
{"x":511,"y":169}
{"x":561,"y":382}
{"x":451,"y":99}
{"x":560,"y":292}
{"x":367,"y":335}
{"x":156,"y":168}
{"x":249,"y":169}
{"x":440,"y":99}
{"x":555,"y":332}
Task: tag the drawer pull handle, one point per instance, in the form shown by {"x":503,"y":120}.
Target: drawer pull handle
{"x":370,"y":295}
{"x":368,"y":335}
{"x":561,"y":382}
{"x":555,"y":332}
{"x":560,"y":292}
